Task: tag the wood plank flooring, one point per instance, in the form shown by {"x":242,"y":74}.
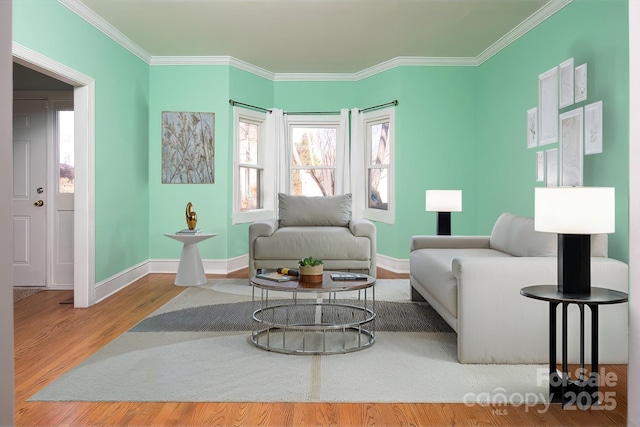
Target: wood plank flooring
{"x":51,"y":338}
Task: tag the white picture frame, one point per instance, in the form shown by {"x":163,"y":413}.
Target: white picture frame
{"x":571,"y":148}
{"x":532,"y":127}
{"x":581,"y":83}
{"x":551,"y":167}
{"x":593,"y":128}
{"x":540,"y":166}
{"x":548,"y":107}
{"x":566,"y":83}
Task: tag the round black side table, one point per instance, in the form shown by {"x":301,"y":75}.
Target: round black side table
{"x":583,"y":391}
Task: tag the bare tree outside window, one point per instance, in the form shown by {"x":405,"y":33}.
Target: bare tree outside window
{"x":314,"y":161}
{"x":187,"y":148}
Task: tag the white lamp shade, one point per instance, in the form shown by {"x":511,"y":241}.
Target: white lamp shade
{"x":444,"y":200}
{"x":575,"y":210}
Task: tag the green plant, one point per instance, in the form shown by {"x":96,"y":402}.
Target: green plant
{"x":310,"y":261}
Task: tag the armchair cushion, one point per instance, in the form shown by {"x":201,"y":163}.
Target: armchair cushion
{"x":302,"y":211}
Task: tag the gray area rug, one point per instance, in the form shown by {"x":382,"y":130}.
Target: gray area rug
{"x":390,"y":316}
{"x":195,"y":349}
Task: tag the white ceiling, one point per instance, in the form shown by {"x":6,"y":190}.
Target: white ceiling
{"x":316,"y":36}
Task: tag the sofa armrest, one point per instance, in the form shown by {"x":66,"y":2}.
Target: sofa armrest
{"x":498,"y":325}
{"x":259,"y":229}
{"x":365,"y":228}
{"x":262,"y":229}
{"x":449,"y":242}
{"x":362,"y":228}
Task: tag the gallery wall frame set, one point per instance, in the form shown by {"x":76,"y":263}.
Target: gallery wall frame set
{"x":578,"y":132}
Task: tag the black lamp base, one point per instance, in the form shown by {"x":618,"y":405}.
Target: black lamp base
{"x":444,"y":223}
{"x":574,"y":264}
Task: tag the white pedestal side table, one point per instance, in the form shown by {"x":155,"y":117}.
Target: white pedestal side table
{"x":190,"y":268}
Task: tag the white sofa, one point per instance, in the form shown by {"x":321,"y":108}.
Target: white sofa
{"x":474,"y":283}
{"x":320,"y":227}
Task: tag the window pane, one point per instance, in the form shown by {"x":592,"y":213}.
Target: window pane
{"x":378,"y":187}
{"x":314,"y":146}
{"x":379,"y":144}
{"x":316,"y":182}
{"x":249,"y":189}
{"x":248,"y":143}
{"x":66,"y":169}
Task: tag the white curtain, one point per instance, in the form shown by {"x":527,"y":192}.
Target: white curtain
{"x":276,"y":172}
{"x":342,"y":182}
{"x":358,"y":179}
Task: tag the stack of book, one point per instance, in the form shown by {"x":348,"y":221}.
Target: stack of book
{"x":348,"y":276}
{"x":187,"y":231}
{"x":275,"y":276}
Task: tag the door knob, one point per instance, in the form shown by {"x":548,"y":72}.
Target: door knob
{"x":39,"y":203}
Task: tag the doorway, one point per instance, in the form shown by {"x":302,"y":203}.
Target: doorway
{"x":84,"y":137}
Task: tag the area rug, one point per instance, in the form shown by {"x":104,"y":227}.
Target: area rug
{"x":20,"y":293}
{"x":196,"y":348}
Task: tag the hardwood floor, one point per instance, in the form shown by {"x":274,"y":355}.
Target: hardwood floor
{"x":51,"y":338}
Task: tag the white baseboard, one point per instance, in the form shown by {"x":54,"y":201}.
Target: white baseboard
{"x":123,"y":279}
{"x":395,"y":265}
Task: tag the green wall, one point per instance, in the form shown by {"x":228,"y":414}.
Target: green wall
{"x":121,"y":125}
{"x":594,"y":32}
{"x":456,"y":127}
{"x":191,"y":89}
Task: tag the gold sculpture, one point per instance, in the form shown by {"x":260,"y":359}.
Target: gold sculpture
{"x":192,"y":218}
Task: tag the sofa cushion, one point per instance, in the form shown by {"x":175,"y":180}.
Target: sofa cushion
{"x":516,"y":236}
{"x":302,"y":211}
{"x":325,"y":243}
{"x":433,"y":268}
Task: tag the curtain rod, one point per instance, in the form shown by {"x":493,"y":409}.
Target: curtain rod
{"x":394,"y":102}
{"x":300,"y":113}
{"x":233,"y":103}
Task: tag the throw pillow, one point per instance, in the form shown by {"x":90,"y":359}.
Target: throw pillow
{"x":302,"y":211}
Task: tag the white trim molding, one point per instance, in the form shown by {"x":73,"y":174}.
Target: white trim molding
{"x":541,"y":15}
{"x":395,"y":265}
{"x":84,"y":198}
{"x":546,"y":11}
{"x":121,"y":280}
{"x":80,"y":9}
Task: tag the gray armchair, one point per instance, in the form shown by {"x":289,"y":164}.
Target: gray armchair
{"x":320,"y":227}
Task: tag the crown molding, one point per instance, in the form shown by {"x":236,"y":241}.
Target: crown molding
{"x":531,"y":22}
{"x":79,"y":8}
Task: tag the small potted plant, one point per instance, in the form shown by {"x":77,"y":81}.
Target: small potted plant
{"x":310,"y":270}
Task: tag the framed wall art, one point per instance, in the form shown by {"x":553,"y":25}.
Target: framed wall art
{"x":188,"y":142}
{"x":532,"y":127}
{"x":593,"y":128}
{"x":581,"y":83}
{"x":540,"y":166}
{"x":566,"y":83}
{"x":551,"y":167}
{"x":548,"y":107}
{"x":571,"y":152}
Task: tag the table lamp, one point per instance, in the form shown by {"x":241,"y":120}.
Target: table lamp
{"x":575,"y":213}
{"x":444,"y":202}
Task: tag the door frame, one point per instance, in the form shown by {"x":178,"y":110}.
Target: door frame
{"x":84,"y":137}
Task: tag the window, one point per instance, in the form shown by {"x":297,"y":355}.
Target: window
{"x":379,"y":167}
{"x":249,"y":163}
{"x":314,"y":145}
{"x":66,"y":169}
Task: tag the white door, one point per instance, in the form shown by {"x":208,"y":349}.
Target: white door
{"x":29,"y":193}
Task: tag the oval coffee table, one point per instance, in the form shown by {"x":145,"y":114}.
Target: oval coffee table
{"x":297,"y":318}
